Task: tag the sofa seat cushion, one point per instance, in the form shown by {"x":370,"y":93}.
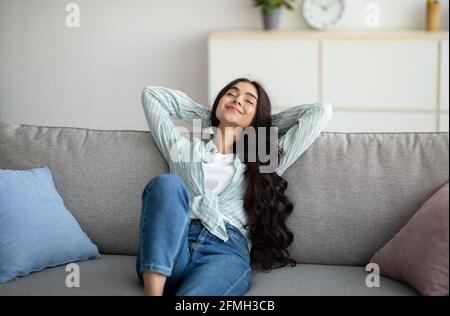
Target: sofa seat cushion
{"x":115,"y":275}
{"x":328,"y":280}
{"x":110,"y":276}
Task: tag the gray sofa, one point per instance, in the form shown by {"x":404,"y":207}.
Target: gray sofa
{"x":351,"y":194}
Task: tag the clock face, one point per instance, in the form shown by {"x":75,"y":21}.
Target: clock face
{"x":322,"y":14}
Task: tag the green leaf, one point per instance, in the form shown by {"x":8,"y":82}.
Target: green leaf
{"x":271,"y":5}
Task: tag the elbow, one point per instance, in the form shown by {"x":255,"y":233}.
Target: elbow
{"x":145,"y":94}
{"x":327,"y":109}
{"x":148,"y":93}
{"x":152,"y":92}
{"x":144,"y":98}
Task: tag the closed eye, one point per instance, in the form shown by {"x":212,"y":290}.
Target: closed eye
{"x":248,"y":101}
{"x":247,"y":93}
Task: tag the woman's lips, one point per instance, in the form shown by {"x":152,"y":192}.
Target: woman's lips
{"x":233,"y":109}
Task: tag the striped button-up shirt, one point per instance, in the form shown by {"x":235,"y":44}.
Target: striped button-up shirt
{"x":298,"y":128}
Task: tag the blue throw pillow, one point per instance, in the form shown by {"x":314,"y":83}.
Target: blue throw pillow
{"x":36,"y":230}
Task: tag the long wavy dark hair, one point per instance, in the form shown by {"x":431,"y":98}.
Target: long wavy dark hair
{"x":266,"y":205}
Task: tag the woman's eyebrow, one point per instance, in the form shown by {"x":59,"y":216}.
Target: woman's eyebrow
{"x":247,"y":93}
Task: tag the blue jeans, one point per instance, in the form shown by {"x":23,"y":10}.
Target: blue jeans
{"x":196,"y":262}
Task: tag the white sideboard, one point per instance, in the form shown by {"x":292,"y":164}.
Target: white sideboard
{"x":377,"y":81}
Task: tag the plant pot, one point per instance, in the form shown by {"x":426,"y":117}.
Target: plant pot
{"x":271,"y":20}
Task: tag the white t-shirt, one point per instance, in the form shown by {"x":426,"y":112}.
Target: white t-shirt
{"x":218,"y":174}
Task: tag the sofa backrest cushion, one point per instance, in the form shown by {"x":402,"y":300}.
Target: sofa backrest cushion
{"x":352,"y":192}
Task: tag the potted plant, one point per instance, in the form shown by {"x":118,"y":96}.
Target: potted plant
{"x":271,"y":11}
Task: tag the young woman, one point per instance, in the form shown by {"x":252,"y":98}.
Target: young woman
{"x":204,"y":222}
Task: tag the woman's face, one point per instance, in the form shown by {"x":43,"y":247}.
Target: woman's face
{"x":237,"y":107}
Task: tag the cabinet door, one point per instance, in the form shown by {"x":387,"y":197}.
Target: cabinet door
{"x":288,"y":69}
{"x":371,"y":122}
{"x":444,"y":76}
{"x":381,"y":74}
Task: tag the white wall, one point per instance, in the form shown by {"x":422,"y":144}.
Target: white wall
{"x":92,"y":77}
{"x":394,"y":14}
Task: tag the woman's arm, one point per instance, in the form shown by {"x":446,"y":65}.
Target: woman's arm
{"x":299,"y":127}
{"x":166,"y":135}
{"x":180,"y":106}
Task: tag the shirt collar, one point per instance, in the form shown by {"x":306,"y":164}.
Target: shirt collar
{"x":210,"y":148}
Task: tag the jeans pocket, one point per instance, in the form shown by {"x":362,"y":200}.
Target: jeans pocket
{"x":239,"y":241}
{"x":236,"y":233}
